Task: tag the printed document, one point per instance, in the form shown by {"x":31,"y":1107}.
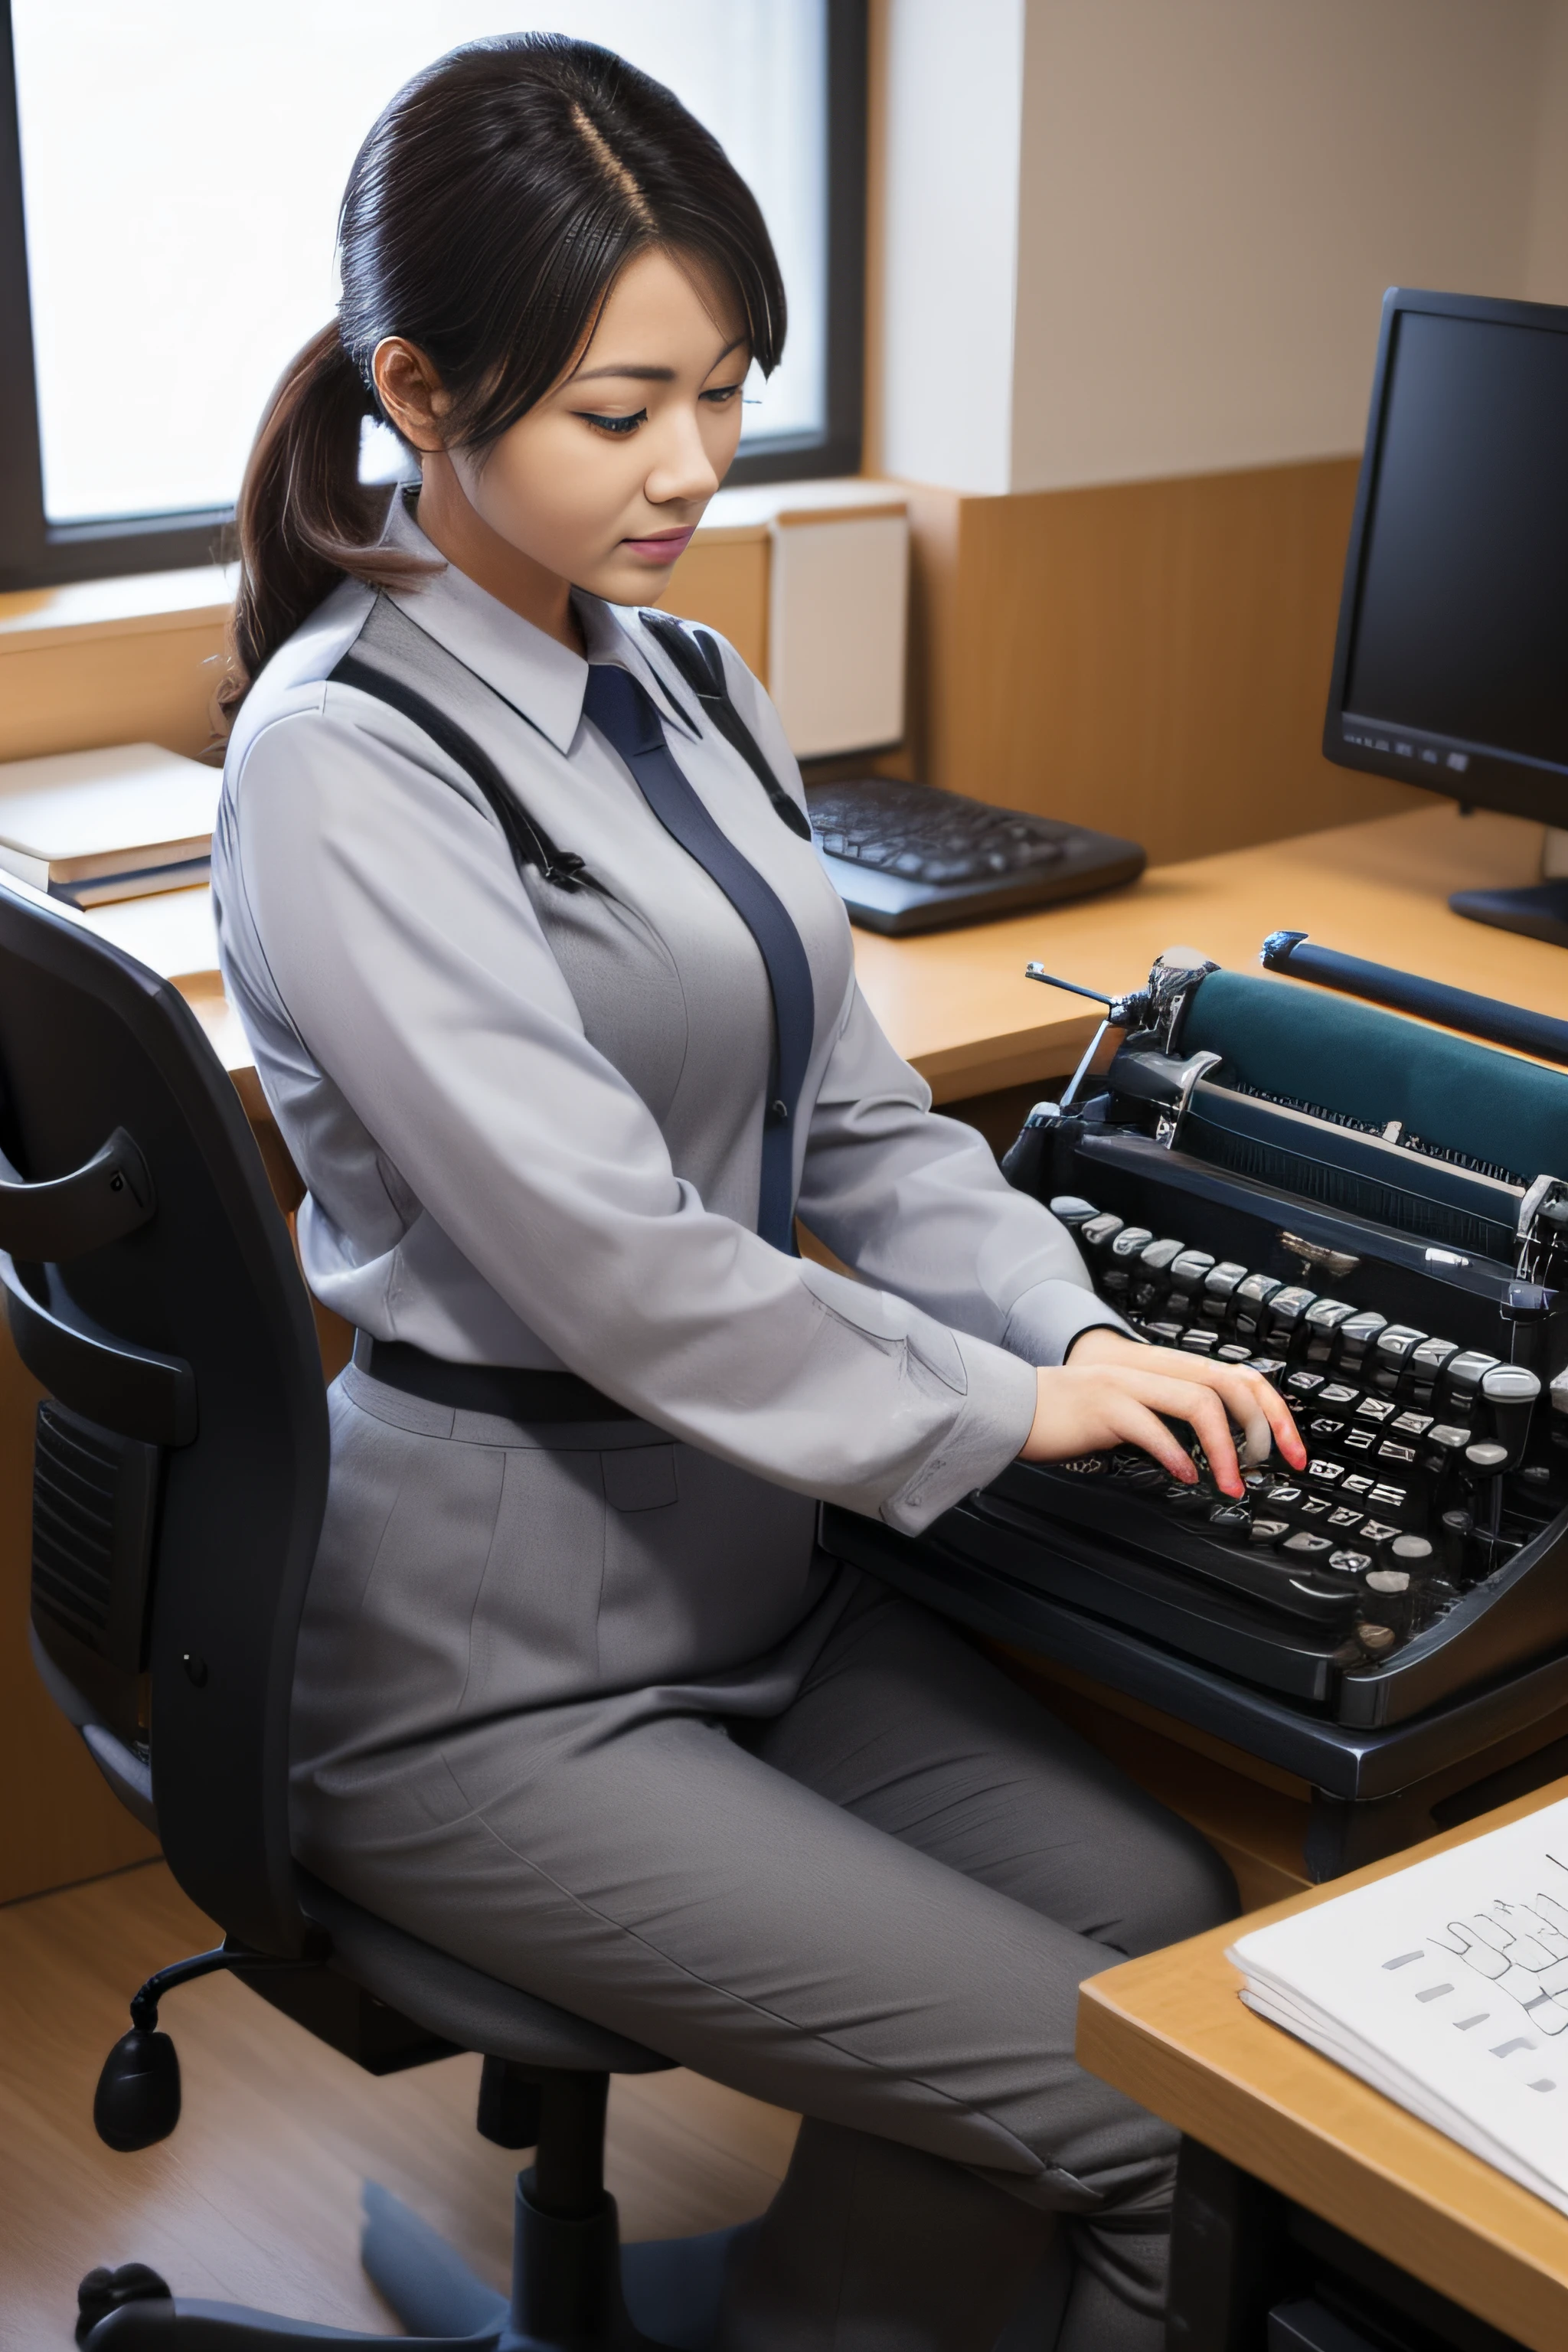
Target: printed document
{"x":1446,"y":1986}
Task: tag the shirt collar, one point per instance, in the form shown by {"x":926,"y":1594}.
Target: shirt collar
{"x":540,"y":677}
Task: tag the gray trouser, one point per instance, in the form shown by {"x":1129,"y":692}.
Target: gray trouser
{"x":876,"y":1905}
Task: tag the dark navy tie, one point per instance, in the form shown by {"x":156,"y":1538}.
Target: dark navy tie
{"x":627,"y":718}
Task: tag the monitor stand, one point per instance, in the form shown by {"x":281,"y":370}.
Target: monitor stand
{"x":1539,"y":910}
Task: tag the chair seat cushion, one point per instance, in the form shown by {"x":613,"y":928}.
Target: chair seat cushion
{"x":460,"y":2004}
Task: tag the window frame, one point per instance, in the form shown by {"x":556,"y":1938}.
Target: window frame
{"x":36,"y":553}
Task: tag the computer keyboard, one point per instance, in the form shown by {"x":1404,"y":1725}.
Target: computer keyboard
{"x":906,"y":857}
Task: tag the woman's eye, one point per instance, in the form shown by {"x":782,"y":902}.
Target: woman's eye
{"x":723,"y":395}
{"x":616,"y":423}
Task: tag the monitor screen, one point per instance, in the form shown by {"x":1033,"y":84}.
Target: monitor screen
{"x":1451,"y":668}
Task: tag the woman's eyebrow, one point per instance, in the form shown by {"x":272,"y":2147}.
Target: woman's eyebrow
{"x":650,"y":374}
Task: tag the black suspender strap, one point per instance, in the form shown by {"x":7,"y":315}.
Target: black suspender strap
{"x":529,"y":842}
{"x":702,"y":665}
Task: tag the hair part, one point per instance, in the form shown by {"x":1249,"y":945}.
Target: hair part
{"x":489,"y":213}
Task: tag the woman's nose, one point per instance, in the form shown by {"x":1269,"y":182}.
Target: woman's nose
{"x":681,"y":467}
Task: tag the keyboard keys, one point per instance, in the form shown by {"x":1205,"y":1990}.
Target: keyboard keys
{"x":1069,"y":1211}
{"x":1099,"y":1231}
{"x":1396,"y":1342}
{"x":1200,"y":1340}
{"x":1327,"y":1473}
{"x":1344,"y":1519}
{"x":1220,"y":1282}
{"x":1358,"y":1482}
{"x":1303,"y":1384}
{"x":1304,"y":1544}
{"x":1388,"y":1581}
{"x":1131,"y":1241}
{"x":1264,"y":1532}
{"x":1390,"y":1451}
{"x":1323,"y":1427}
{"x":1324,"y":1316}
{"x":1360,"y":1441}
{"x":1373,"y":1408}
{"x":1233,"y":1521}
{"x":1427,"y":1360}
{"x":1189,"y":1268}
{"x":1286,"y":1308}
{"x":1159,"y":1257}
{"x":1463,"y":1374}
{"x":1336,"y":1393}
{"x":1412,"y":1424}
{"x":1233,"y":1353}
{"x":1357,"y":1333}
{"x":1350,"y":1563}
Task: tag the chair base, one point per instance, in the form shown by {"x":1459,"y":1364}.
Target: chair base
{"x":574,"y":2289}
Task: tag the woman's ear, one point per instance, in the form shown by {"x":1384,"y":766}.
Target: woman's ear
{"x":410,"y":391}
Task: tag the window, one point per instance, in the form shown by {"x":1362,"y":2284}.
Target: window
{"x":169,"y":181}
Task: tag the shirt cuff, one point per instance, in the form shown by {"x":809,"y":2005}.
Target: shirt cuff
{"x":986,"y":1434}
{"x":1044,"y":1321}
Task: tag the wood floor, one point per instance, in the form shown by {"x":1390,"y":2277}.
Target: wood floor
{"x":254,"y":2200}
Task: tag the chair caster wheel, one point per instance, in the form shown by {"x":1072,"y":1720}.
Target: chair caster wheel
{"x":103,"y":2291}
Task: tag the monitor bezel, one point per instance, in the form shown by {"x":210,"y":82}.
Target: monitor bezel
{"x":1490,"y":778}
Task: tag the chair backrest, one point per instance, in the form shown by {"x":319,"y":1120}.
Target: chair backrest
{"x":180,"y":1462}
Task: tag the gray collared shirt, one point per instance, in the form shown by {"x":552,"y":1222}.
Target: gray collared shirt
{"x":529,"y":1120}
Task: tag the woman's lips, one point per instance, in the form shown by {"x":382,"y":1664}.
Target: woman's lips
{"x":663,"y":548}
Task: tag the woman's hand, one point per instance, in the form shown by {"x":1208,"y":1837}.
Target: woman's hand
{"x":1114,"y":1389}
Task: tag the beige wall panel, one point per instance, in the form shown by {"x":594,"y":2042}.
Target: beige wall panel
{"x":1149,"y":657}
{"x":724,"y":582}
{"x":60,"y":1821}
{"x":1213,"y":197}
{"x":140,"y":687}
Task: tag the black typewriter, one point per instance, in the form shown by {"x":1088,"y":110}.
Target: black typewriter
{"x":1364,"y":1210}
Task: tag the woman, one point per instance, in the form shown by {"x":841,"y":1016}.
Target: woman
{"x":556,"y":1010}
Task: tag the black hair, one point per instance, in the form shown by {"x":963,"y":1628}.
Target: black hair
{"x":487,"y":214}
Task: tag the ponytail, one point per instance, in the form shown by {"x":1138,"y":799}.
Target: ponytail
{"x":304,"y":518}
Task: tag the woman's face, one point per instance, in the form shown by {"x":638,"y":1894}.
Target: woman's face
{"x":602,"y":484}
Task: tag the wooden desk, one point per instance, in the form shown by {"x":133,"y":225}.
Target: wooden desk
{"x":956,"y":1003}
{"x":1170,"y":2031}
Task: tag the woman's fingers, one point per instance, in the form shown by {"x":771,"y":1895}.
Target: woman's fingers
{"x":1194,"y":1403}
{"x":1136,"y":1424}
{"x":1249,"y":1399}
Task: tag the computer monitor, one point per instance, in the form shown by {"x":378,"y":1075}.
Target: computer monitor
{"x":1451,"y":662}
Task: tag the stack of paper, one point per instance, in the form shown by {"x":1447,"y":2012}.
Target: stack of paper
{"x":117,"y":823}
{"x":1444,"y":1986}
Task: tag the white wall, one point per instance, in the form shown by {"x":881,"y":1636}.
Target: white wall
{"x":1169,"y":223}
{"x":954,"y":90}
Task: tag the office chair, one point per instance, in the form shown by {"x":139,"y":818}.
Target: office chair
{"x":180,"y":1474}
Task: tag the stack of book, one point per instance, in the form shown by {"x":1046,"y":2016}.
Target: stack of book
{"x":1444,"y":1986}
{"x":88,"y":826}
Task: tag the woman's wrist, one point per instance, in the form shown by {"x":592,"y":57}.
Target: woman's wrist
{"x":1102,"y":1343}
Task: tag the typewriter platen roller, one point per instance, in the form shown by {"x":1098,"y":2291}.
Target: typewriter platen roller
{"x":1367,"y":1210}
